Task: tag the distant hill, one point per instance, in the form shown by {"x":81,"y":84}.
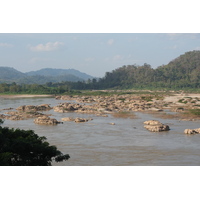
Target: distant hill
{"x":182,"y":72}
{"x":9,"y":75}
{"x":59,"y":72}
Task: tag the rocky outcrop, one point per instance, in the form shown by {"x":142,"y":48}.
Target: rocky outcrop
{"x":192,"y":131}
{"x":15,"y":115}
{"x":156,"y":126}
{"x":77,"y":120}
{"x":66,"y":107}
{"x":45,"y":120}
{"x":28,"y":108}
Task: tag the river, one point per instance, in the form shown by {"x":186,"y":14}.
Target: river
{"x":127,"y":143}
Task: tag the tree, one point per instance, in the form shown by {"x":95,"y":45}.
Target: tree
{"x":25,"y":148}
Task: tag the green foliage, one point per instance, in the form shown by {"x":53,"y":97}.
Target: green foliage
{"x":147,"y":98}
{"x":195,"y":111}
{"x":182,"y":101}
{"x":25,"y":148}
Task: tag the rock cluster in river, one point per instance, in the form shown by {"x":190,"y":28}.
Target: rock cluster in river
{"x":28,"y":108}
{"x":107,"y":104}
{"x":155,"y":126}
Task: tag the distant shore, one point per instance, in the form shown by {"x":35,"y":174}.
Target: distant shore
{"x":24,"y":96}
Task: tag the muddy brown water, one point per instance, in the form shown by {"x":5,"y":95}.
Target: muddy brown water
{"x":127,"y":143}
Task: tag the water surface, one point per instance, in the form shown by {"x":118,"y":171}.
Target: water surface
{"x":127,"y":143}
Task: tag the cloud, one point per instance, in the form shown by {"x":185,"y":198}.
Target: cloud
{"x":117,"y":57}
{"x":37,"y":59}
{"x":47,"y":47}
{"x":89,"y":59}
{"x":175,"y":36}
{"x":174,"y":47}
{"x":5,"y":45}
{"x":110,"y":42}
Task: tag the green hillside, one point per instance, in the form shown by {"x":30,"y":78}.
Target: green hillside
{"x":10,"y":75}
{"x":182,"y":72}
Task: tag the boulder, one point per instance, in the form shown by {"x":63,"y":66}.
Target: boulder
{"x":152,"y":122}
{"x":156,"y":126}
{"x":2,"y":116}
{"x":68,"y":119}
{"x":43,"y":107}
{"x":192,"y":131}
{"x":46,"y":120}
{"x":77,"y":120}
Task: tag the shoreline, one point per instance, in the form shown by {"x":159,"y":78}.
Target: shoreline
{"x":25,"y":96}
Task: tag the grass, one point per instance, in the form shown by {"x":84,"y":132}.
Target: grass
{"x":124,"y":114}
{"x":191,"y":114}
{"x":182,"y":101}
{"x":195,"y":112}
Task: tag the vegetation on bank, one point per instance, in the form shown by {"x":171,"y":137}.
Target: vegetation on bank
{"x":25,"y":148}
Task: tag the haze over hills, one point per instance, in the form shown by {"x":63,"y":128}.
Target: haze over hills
{"x":9,"y":75}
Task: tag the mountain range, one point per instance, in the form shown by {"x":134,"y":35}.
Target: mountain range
{"x":9,"y":75}
{"x":181,"y":72}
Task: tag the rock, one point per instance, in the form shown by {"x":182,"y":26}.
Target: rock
{"x":46,"y":120}
{"x":28,"y":108}
{"x":155,"y":126}
{"x":197,"y":130}
{"x":77,"y":120}
{"x":43,"y":107}
{"x":2,"y":116}
{"x":70,"y":108}
{"x":22,"y":115}
{"x":192,"y":131}
{"x":68,"y":119}
{"x":152,"y":122}
{"x":15,"y":117}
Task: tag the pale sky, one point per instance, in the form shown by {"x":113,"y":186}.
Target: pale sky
{"x":96,"y":36}
{"x":92,"y":53}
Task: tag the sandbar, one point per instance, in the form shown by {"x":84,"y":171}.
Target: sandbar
{"x":25,"y":96}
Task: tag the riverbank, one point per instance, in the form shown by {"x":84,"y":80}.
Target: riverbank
{"x":24,"y":96}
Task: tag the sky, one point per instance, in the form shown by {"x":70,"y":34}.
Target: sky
{"x":92,"y":53}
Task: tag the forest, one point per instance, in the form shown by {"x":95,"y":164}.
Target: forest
{"x":180,"y":73}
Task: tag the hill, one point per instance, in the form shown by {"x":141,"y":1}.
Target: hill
{"x":182,"y":72}
{"x":9,"y":75}
{"x":59,"y":72}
